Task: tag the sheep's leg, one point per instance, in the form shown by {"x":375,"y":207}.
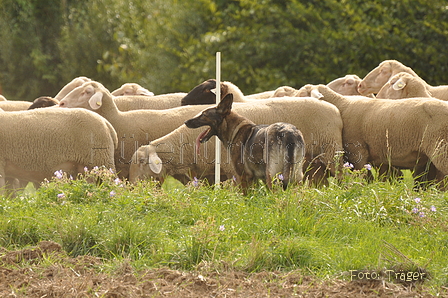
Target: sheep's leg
{"x":423,"y":176}
{"x":442,"y":180}
{"x":315,"y":173}
{"x":268,"y":180}
{"x":386,"y":172}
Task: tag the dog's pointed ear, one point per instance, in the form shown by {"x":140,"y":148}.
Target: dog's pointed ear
{"x":225,"y":105}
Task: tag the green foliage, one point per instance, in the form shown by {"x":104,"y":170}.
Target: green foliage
{"x":29,"y":31}
{"x":170,"y":45}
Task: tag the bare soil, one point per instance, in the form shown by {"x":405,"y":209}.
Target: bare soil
{"x":47,"y":271}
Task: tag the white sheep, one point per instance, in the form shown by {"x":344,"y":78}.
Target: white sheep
{"x":261,"y":95}
{"x":14,"y":105}
{"x":134,"y":128}
{"x":131,"y":89}
{"x":406,"y":133}
{"x":36,"y":143}
{"x":76,"y":82}
{"x":379,"y":76}
{"x":347,"y":85}
{"x":320,"y":123}
{"x":285,"y":91}
{"x":2,"y":98}
{"x":156,"y":102}
{"x":404,"y":85}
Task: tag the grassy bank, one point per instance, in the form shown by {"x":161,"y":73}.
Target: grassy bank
{"x":327,"y":232}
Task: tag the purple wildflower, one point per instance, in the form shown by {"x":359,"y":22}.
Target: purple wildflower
{"x":348,"y":165}
{"x":415,"y":210}
{"x":195,"y":182}
{"x":61,"y":195}
{"x":368,"y":167}
{"x":421,"y":214}
{"x":117,"y":181}
{"x":433,"y":209}
{"x":222,"y":228}
{"x":280,"y":176}
{"x":112,"y":193}
{"x":417,"y":200}
{"x":59,"y":174}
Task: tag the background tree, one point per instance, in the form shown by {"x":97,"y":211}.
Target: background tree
{"x":170,"y":45}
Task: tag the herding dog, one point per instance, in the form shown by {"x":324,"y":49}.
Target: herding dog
{"x":256,"y":151}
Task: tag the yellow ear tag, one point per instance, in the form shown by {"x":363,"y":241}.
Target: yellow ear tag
{"x":400,"y":85}
{"x":98,"y":103}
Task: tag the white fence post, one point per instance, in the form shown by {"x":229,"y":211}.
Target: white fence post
{"x":218,"y":99}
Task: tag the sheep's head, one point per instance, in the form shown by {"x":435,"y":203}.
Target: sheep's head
{"x":132,"y":89}
{"x":312,"y":91}
{"x":403,"y":85}
{"x":347,"y":85}
{"x":43,"y":102}
{"x":88,"y":96}
{"x":76,"y":82}
{"x":145,"y":164}
{"x":204,"y":93}
{"x":379,"y":76}
{"x":284,"y":91}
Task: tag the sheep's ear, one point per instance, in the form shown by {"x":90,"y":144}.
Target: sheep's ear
{"x":225,"y":105}
{"x":96,"y":101}
{"x":155,"y":163}
{"x":316,"y":94}
{"x":144,"y":91}
{"x":400,"y":84}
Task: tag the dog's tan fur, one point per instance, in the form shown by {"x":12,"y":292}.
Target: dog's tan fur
{"x":256,"y":151}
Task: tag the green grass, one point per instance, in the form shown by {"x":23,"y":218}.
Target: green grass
{"x":326,"y":232}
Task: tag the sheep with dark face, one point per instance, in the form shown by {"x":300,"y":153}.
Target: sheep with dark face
{"x":204,"y":94}
{"x":43,"y":102}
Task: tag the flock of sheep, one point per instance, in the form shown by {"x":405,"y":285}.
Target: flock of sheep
{"x":141,"y":135}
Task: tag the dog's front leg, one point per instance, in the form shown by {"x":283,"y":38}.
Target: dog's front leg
{"x":243,"y":181}
{"x":268,"y":180}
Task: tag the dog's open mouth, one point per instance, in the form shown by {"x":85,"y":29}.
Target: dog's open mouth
{"x":203,"y":137}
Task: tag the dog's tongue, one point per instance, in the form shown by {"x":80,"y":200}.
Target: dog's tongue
{"x":199,"y":138}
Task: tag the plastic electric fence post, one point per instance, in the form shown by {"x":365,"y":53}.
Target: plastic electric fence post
{"x":218,"y":99}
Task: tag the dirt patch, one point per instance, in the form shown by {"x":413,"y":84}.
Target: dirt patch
{"x":46,"y":271}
